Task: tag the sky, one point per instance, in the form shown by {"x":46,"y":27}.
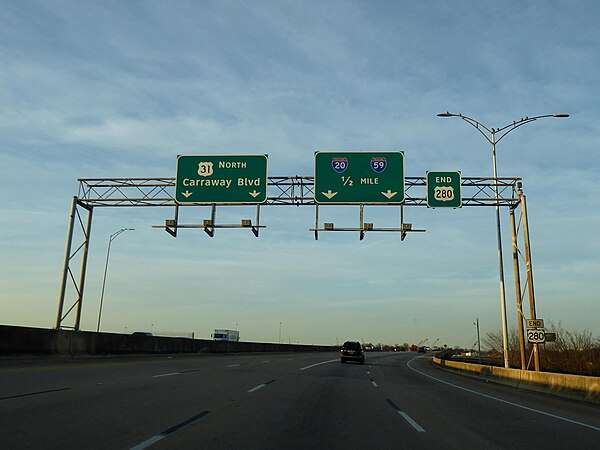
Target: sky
{"x":119,"y":89}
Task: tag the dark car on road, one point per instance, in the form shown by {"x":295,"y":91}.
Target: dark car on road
{"x":352,"y":351}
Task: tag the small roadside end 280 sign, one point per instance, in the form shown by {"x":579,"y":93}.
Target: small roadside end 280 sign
{"x":359,"y":177}
{"x":221,"y":179}
{"x":536,"y":336}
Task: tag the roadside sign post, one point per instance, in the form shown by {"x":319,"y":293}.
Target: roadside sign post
{"x":221,"y":179}
{"x":359,"y":178}
{"x":444,"y":190}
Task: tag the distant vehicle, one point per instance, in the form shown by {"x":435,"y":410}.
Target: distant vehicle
{"x":226,"y":335}
{"x":141,"y":333}
{"x":422,"y":349}
{"x":352,"y":351}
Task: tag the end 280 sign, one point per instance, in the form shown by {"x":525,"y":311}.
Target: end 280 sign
{"x":222,"y":179}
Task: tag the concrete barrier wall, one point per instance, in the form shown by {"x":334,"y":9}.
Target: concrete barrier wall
{"x":585,"y":387}
{"x":38,"y":341}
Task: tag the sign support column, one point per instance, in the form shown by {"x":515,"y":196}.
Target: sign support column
{"x":518,"y":295}
{"x":536,"y":355}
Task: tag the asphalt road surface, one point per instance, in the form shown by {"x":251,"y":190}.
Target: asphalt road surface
{"x":276,"y":401}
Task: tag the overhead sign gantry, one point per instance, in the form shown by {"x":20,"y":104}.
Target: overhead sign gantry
{"x":242,"y":180}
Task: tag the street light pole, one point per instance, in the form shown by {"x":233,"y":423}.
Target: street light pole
{"x":500,"y":260}
{"x":280,"y":332}
{"x":110,"y":239}
{"x":478,"y":340}
{"x":490,"y":135}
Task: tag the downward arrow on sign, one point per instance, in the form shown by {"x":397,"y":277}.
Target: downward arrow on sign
{"x":329,"y":194}
{"x":254,"y":193}
{"x":389,"y":194}
{"x":186,"y":194}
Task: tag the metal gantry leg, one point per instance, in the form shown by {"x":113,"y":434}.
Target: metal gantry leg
{"x":63,"y":284}
{"x":518,"y":295}
{"x":79,"y":286}
{"x":522,"y":200}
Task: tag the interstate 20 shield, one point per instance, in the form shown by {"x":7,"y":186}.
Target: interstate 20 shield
{"x":339,"y":164}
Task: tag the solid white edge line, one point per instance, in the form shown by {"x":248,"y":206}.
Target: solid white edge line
{"x":318,"y":364}
{"x":233,"y":365}
{"x":414,"y":424}
{"x":502,"y":400}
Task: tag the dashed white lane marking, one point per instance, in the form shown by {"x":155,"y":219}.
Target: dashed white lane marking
{"x":233,"y":365}
{"x":406,"y":417}
{"x":260,"y":386}
{"x":166,"y":374}
{"x":154,"y":439}
{"x":414,"y":424}
{"x":256,"y":388}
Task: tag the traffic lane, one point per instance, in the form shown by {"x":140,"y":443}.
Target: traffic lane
{"x":70,"y":374}
{"x":113,"y":415}
{"x":469,"y":413}
{"x":52,"y":373}
{"x":93,"y":415}
{"x":64,"y":373}
{"x":546,"y":402}
{"x":331,"y":405}
{"x":177,"y":397}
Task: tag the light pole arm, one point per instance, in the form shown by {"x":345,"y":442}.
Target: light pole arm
{"x":474,"y":123}
{"x":115,"y":234}
{"x":516,"y":124}
{"x":504,"y":130}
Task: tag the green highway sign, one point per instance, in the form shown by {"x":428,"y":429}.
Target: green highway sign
{"x":223,"y":179}
{"x":359,"y":177}
{"x":444,"y":190}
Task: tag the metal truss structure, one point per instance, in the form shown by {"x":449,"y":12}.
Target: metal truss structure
{"x":292,"y":191}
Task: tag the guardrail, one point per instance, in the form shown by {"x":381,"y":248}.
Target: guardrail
{"x":575,"y":386}
{"x":40,"y":341}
